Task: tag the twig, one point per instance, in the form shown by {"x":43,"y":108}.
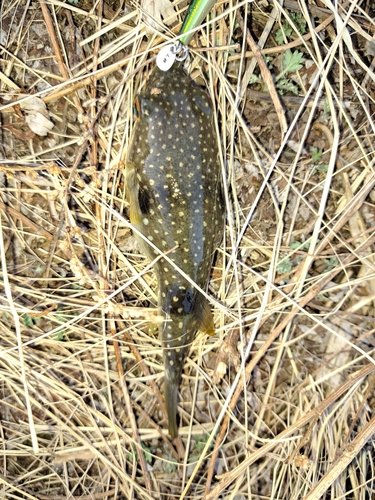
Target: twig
{"x":133,"y":424}
{"x":267,"y":77}
{"x":347,"y":456}
{"x":266,"y":345}
{"x":40,"y":231}
{"x":228,"y":478}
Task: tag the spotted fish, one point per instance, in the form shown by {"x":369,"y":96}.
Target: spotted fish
{"x":174,"y":191}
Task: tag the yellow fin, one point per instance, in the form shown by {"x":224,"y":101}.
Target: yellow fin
{"x":204,"y":317}
{"x":152,"y":330}
{"x":132,"y":189}
{"x":134,"y":214}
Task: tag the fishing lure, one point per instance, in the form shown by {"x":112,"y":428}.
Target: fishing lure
{"x":197,"y":11}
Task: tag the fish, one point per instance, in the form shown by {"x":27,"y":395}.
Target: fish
{"x":174,"y":190}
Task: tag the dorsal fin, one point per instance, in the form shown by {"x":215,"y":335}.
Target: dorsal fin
{"x":204,"y":316}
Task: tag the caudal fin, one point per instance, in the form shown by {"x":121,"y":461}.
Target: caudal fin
{"x":170,"y":389}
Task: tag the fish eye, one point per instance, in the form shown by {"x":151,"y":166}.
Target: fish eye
{"x":137,"y":108}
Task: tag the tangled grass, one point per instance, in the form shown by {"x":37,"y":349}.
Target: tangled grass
{"x":280,"y":403}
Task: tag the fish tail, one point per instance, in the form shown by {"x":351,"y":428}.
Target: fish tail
{"x":171,"y":389}
{"x":177,"y":335}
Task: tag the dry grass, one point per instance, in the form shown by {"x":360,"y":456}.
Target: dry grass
{"x":280,"y":403}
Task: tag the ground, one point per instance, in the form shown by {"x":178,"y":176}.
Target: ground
{"x":279,"y":404}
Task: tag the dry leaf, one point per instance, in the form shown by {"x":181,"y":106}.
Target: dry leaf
{"x":36,"y":115}
{"x":156,"y":10}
